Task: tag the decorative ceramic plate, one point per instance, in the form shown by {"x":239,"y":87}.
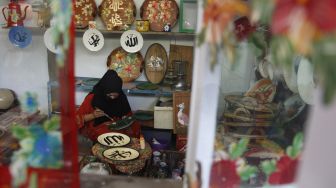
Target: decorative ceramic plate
{"x":263,"y":90}
{"x":159,"y":13}
{"x":290,"y":75}
{"x":293,"y":107}
{"x":127,"y":65}
{"x":85,"y":11}
{"x":93,"y":40}
{"x":49,"y":41}
{"x":113,"y":139}
{"x":117,"y":15}
{"x":243,"y":124}
{"x":145,"y":154}
{"x":305,"y":81}
{"x":131,"y":41}
{"x":156,"y":60}
{"x":251,"y":103}
{"x":121,"y":154}
{"x":96,"y":168}
{"x":20,"y":36}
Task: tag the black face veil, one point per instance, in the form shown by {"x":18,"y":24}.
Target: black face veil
{"x":119,"y":106}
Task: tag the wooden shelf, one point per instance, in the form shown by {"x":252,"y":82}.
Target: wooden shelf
{"x":86,"y":84}
{"x":148,"y":35}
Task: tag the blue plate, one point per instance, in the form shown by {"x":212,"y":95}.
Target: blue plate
{"x":20,"y":36}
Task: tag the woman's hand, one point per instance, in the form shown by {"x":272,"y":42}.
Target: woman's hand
{"x":97,"y":113}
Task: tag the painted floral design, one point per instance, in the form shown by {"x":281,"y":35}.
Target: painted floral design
{"x":160,"y":13}
{"x":127,"y":65}
{"x":40,"y":147}
{"x":303,"y":21}
{"x":224,"y":174}
{"x":85,"y":11}
{"x":285,"y":173}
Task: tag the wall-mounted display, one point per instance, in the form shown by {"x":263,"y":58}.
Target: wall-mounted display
{"x":131,"y":41}
{"x":127,"y":65}
{"x":187,"y":19}
{"x":93,"y":40}
{"x":85,"y":11}
{"x":160,"y":13}
{"x":20,"y":36}
{"x":117,"y":15}
{"x":156,"y":63}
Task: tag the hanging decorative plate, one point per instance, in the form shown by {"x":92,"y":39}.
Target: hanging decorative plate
{"x":93,"y":40}
{"x":121,"y":154}
{"x":263,"y":90}
{"x":113,"y":139}
{"x":85,"y":11}
{"x":305,"y":81}
{"x":117,"y":15}
{"x":156,"y":60}
{"x":131,"y":41}
{"x":160,"y":13}
{"x":290,"y":75}
{"x":20,"y":36}
{"x":49,"y":41}
{"x":127,"y":65}
{"x":293,"y":106}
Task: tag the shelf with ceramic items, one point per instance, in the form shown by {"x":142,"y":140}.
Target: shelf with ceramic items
{"x":86,"y":84}
{"x":147,"y":34}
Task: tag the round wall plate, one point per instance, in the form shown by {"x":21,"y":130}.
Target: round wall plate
{"x":131,"y":41}
{"x":49,"y":42}
{"x":20,"y":36}
{"x":93,"y":40}
{"x":305,"y":81}
{"x":113,"y":139}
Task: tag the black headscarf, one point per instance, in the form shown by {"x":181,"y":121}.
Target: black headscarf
{"x":117,"y":107}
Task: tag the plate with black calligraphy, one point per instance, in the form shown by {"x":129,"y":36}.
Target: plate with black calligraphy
{"x":121,"y":154}
{"x":128,"y":157}
{"x":113,"y":139}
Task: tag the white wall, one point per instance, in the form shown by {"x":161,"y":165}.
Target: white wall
{"x":23,"y":70}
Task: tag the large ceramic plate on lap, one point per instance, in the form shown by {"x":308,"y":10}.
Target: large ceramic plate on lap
{"x":156,"y":60}
{"x":305,"y":81}
{"x":144,"y":154}
{"x":113,"y":139}
{"x":85,"y":11}
{"x":20,"y":36}
{"x":159,"y":13}
{"x":127,"y":65}
{"x":117,"y":15}
{"x":121,"y":154}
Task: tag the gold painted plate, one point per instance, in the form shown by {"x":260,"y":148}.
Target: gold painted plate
{"x":117,"y":15}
